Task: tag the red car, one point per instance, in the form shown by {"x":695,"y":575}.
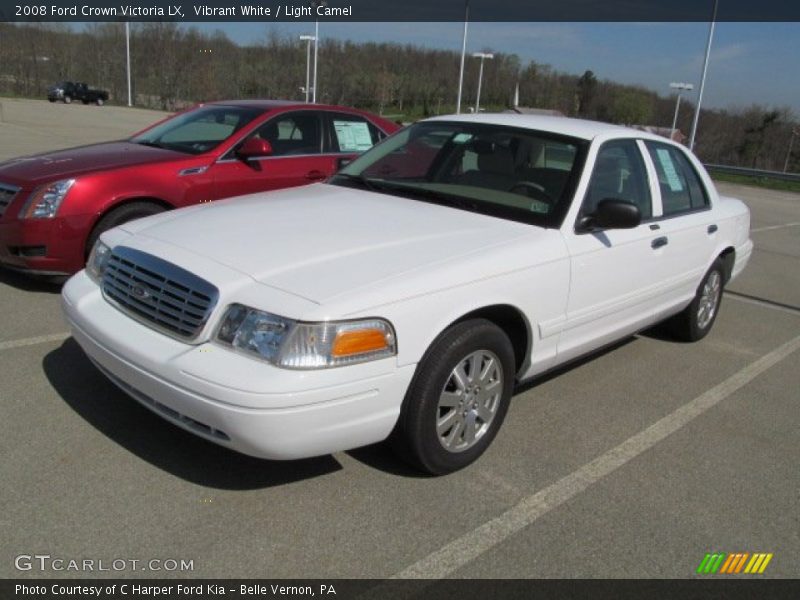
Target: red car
{"x":54,"y":206}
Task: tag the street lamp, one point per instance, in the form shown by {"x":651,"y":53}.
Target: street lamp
{"x":483,"y":56}
{"x":681,"y":87}
{"x":703,"y":79}
{"x":314,"y":5}
{"x":308,"y":39}
{"x":128,"y":59}
{"x":463,"y":55}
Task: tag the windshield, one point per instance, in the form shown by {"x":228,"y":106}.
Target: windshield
{"x":198,"y":130}
{"x":518,"y":174}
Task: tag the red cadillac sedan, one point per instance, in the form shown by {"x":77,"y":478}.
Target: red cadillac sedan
{"x":54,"y":206}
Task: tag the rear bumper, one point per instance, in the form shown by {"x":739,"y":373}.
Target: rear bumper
{"x":742,"y":255}
{"x":44,"y":246}
{"x":269,"y":413}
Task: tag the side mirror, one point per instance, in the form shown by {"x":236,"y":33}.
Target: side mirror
{"x":612,"y":214}
{"x":254,"y":147}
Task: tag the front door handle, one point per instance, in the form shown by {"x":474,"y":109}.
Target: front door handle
{"x":315,"y":175}
{"x":659,"y":242}
{"x":712,"y":229}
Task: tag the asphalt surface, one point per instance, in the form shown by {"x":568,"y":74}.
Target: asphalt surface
{"x":633,"y":463}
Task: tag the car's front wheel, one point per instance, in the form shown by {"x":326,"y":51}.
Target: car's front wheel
{"x":696,"y":320}
{"x":458,"y":398}
{"x":118,"y":216}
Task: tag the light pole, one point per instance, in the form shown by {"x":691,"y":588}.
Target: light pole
{"x":681,"y":87}
{"x":795,"y":131}
{"x":128,"y":59}
{"x":463,"y":55}
{"x":483,"y":56}
{"x":314,"y":5}
{"x":308,"y":39}
{"x":703,"y":80}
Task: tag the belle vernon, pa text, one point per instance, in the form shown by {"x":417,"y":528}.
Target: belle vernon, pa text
{"x":247,"y":10}
{"x":198,"y":590}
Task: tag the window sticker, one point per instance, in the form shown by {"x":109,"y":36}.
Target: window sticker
{"x":353,"y":136}
{"x":670,"y":173}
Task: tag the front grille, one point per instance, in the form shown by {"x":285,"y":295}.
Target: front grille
{"x":7,"y":193}
{"x":158,"y":293}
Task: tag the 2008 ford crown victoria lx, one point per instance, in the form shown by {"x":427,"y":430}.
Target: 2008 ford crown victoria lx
{"x":404,"y":298}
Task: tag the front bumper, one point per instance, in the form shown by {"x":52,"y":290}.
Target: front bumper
{"x":231,"y":399}
{"x":45,"y":246}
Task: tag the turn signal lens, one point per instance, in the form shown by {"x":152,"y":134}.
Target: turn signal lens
{"x":359,"y":341}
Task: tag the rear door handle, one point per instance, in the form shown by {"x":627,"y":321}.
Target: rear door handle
{"x":712,"y":229}
{"x":659,"y":241}
{"x":315,"y":175}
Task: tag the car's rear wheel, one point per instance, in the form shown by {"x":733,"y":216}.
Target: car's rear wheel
{"x":120,"y":215}
{"x":67,"y":99}
{"x":100,"y":102}
{"x":458,"y":398}
{"x":696,"y":320}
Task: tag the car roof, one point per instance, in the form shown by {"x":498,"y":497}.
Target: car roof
{"x":273,"y":104}
{"x":578,"y":128}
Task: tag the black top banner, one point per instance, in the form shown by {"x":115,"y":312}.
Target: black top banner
{"x":408,"y":10}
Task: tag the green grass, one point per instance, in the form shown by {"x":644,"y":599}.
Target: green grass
{"x":761,"y":182}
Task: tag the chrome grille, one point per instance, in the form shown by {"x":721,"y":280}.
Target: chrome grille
{"x":158,"y":293}
{"x":7,"y":193}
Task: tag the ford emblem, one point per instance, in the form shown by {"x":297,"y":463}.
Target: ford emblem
{"x":139,"y":291}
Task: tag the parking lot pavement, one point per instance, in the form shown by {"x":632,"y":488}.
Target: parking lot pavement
{"x":33,"y":126}
{"x":634,"y":463}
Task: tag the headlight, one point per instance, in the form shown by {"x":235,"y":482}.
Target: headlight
{"x":98,"y":260}
{"x":297,"y":345}
{"x":43,"y":203}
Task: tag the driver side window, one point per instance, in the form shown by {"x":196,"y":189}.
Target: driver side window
{"x":293,"y":134}
{"x":619,"y":173}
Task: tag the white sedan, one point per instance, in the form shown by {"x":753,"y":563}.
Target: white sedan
{"x":408,"y":295}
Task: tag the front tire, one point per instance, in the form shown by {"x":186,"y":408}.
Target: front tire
{"x":696,"y":320}
{"x":458,"y":398}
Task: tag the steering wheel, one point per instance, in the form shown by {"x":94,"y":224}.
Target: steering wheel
{"x":532,"y":190}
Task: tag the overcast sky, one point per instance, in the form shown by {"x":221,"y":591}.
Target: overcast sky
{"x":750,"y":62}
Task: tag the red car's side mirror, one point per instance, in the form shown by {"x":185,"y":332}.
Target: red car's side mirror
{"x":254,"y":148}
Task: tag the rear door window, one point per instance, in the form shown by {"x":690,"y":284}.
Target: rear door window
{"x":680,"y":185}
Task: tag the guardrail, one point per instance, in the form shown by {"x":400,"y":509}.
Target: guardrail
{"x":754,"y":172}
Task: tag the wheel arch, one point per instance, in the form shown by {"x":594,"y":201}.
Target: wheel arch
{"x":118,"y":204}
{"x":512,"y":322}
{"x":728,"y":258}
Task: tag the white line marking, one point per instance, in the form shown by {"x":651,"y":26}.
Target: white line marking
{"x":762,"y":304}
{"x":771,"y":227}
{"x":470,"y":546}
{"x":42,"y":339}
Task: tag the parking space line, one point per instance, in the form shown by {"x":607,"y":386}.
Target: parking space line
{"x":470,"y":546}
{"x":771,"y":227}
{"x":42,"y":339}
{"x":747,"y":299}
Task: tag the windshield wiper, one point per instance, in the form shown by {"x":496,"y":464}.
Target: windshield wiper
{"x":427,"y":194}
{"x":361,"y":180}
{"x":148,"y":143}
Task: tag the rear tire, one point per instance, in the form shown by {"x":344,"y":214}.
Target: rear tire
{"x":67,"y":99}
{"x":458,"y":398}
{"x":120,"y":215}
{"x":100,"y":102}
{"x":696,"y":320}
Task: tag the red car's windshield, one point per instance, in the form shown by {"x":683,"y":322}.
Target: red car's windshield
{"x":199,"y":130}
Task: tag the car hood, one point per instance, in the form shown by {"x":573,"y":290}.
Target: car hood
{"x":322,"y":242}
{"x":72,"y":162}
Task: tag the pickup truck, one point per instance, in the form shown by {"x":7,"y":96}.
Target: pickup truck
{"x":67,"y":91}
